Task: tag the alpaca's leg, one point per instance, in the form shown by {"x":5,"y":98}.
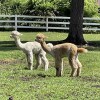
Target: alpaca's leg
{"x":73,"y":64}
{"x":27,"y":60}
{"x":30,"y":60}
{"x":38,"y":61}
{"x":45,"y":62}
{"x":79,"y":67}
{"x":59,"y":66}
{"x":62,"y":66}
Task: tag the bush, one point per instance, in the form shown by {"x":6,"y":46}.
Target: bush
{"x":90,"y":8}
{"x":45,"y":7}
{"x":11,"y":7}
{"x":62,"y":7}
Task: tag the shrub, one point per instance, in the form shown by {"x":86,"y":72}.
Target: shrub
{"x":90,"y":8}
{"x":45,"y":7}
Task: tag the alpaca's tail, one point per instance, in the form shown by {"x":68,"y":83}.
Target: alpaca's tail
{"x":82,"y":50}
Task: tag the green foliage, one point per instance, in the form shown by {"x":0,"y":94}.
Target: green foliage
{"x":91,"y":8}
{"x":29,"y":7}
{"x":11,"y":7}
{"x":63,"y":7}
{"x":45,"y":7}
{"x":16,"y":8}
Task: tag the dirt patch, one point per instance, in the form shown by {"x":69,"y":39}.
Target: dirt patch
{"x":32,"y":77}
{"x":9,"y":61}
{"x":90,"y":79}
{"x":26,"y":78}
{"x":96,"y":86}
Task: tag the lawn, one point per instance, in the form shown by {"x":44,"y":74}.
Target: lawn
{"x":21,"y":84}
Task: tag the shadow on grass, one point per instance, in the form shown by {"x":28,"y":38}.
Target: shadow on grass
{"x":90,"y":79}
{"x":10,"y":45}
{"x":94,"y":45}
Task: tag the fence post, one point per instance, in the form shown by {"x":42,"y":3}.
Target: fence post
{"x":16,"y":22}
{"x":46,"y":23}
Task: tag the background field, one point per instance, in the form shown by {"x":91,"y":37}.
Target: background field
{"x":22,"y":84}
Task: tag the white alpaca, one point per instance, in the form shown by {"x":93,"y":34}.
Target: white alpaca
{"x":63,"y":50}
{"x":30,"y":48}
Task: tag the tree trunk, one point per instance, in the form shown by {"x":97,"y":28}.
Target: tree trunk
{"x":76,"y":23}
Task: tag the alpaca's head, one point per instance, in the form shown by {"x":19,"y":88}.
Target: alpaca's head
{"x":40,"y":38}
{"x":15,"y":34}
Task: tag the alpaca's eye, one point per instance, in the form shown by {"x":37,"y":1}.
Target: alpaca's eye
{"x":38,"y":37}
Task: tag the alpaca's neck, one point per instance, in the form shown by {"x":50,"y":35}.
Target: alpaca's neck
{"x":46,"y":48}
{"x":18,"y":43}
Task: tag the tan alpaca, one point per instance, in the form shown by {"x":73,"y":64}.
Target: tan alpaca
{"x":63,"y":50}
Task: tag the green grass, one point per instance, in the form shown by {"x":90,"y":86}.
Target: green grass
{"x":22,"y":84}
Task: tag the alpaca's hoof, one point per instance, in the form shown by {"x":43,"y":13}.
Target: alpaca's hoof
{"x":46,"y":69}
{"x":58,"y":75}
{"x":31,"y":69}
{"x":72,"y":75}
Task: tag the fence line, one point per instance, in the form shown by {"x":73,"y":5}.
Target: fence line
{"x":45,"y":22}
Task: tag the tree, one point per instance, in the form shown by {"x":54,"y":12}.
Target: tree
{"x":76,"y":23}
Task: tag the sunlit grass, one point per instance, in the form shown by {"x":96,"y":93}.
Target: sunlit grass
{"x":22,"y":84}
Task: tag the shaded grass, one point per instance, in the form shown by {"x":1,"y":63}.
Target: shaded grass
{"x":22,"y":84}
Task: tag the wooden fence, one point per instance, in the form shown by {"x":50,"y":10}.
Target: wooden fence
{"x":45,"y":22}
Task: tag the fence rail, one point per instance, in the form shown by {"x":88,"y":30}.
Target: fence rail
{"x":45,"y":22}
